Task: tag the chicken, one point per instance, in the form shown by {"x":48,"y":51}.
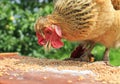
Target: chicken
{"x":90,"y":21}
{"x":80,"y":51}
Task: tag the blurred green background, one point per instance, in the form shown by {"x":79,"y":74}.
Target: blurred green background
{"x":17,"y":18}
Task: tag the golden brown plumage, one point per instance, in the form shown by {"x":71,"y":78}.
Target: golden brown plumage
{"x":79,"y":20}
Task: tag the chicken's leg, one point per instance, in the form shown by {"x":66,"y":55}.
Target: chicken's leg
{"x":83,"y":52}
{"x":106,"y":56}
{"x":87,"y":56}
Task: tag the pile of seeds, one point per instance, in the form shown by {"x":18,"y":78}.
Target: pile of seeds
{"x":103,"y":72}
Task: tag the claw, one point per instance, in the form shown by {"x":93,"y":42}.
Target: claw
{"x":91,"y":58}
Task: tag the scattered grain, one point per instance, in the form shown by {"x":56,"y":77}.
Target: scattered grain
{"x":69,"y":81}
{"x":81,"y":78}
{"x":44,"y":78}
{"x":103,"y":72}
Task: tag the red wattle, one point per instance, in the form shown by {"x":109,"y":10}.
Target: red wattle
{"x":41,"y":40}
{"x":52,"y":35}
{"x":57,"y":44}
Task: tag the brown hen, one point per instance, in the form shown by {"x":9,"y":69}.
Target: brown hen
{"x":90,"y":21}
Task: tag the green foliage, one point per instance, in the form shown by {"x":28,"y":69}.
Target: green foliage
{"x":114,"y":54}
{"x":17,"y":18}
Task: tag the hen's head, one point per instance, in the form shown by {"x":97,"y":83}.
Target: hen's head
{"x":48,"y":34}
